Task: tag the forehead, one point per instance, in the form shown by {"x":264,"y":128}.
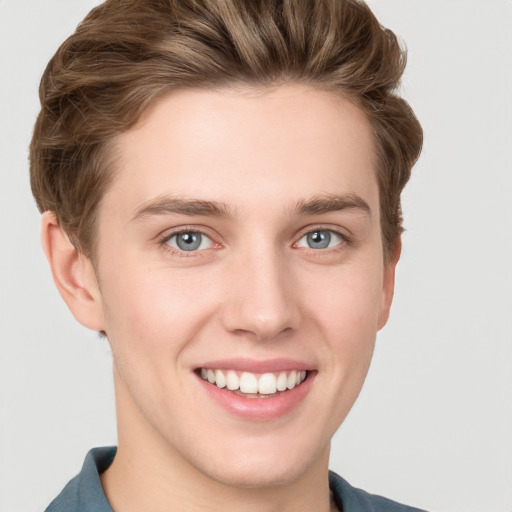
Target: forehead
{"x":246,"y":147}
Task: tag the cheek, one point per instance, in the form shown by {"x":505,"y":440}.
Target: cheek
{"x":346,"y":308}
{"x":155,"y":310}
{"x":151,"y":319}
{"x":350,"y":298}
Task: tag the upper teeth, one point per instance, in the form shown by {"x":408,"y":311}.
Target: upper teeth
{"x":246,"y":382}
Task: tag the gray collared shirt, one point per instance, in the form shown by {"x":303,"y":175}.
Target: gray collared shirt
{"x":84,"y":493}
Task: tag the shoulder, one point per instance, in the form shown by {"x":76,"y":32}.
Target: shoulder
{"x":352,"y":499}
{"x":67,"y":500}
{"x":84,"y":492}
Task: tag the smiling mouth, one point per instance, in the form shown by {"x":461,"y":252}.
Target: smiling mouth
{"x":254,"y":385}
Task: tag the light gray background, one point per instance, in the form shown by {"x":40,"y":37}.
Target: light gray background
{"x":433,"y":425}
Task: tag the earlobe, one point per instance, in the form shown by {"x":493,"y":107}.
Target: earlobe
{"x":388,"y":286}
{"x":73,"y":274}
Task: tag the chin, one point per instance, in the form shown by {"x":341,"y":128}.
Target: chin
{"x":252,"y":475}
{"x":263,"y":467}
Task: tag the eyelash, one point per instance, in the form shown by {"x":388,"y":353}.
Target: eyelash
{"x":163,"y":241}
{"x":344,"y":239}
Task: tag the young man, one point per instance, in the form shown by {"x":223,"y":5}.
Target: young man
{"x":220,"y":182}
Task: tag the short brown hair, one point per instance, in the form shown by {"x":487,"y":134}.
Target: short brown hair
{"x":127,"y":53}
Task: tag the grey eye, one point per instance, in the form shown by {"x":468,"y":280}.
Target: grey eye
{"x":320,"y":239}
{"x":190,"y":241}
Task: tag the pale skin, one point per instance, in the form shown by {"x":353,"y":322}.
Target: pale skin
{"x":255,"y":171}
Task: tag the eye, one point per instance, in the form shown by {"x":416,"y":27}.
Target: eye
{"x":189,"y":241}
{"x":320,"y":239}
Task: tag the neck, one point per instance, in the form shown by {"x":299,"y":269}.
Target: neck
{"x":148,"y":474}
{"x":130,"y":488}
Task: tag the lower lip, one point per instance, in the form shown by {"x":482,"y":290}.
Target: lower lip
{"x":259,"y":409}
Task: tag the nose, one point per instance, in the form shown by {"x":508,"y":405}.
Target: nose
{"x":261,"y":300}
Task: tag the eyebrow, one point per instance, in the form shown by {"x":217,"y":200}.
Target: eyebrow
{"x":327,"y":203}
{"x":317,"y":205}
{"x":169,"y":205}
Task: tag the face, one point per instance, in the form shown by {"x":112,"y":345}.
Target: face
{"x":241,"y":278}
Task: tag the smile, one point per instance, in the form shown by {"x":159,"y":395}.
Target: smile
{"x":254,"y":385}
{"x":254,"y":390}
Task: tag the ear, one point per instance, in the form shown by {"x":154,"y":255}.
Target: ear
{"x":73,"y":274}
{"x":388,"y":284}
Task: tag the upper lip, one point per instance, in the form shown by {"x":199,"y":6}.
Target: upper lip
{"x":257,"y":366}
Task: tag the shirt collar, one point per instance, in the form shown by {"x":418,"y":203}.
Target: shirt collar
{"x":87,"y":492}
